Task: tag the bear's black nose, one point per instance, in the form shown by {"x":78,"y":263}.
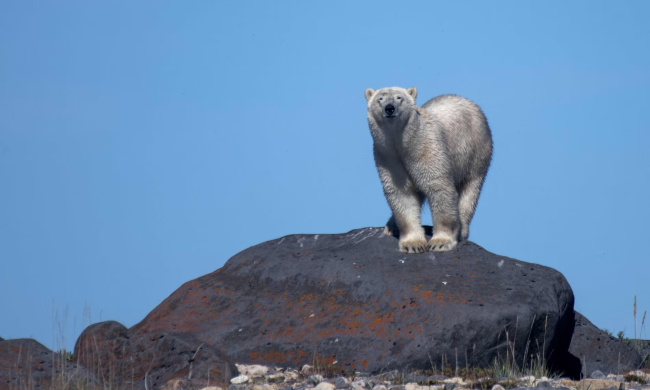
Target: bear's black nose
{"x":390,"y":109}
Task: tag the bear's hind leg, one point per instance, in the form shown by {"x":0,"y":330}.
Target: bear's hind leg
{"x":443,"y":200}
{"x":467,"y":204}
{"x":391,"y":228}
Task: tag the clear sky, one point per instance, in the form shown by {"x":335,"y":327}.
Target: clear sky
{"x":142,"y":144}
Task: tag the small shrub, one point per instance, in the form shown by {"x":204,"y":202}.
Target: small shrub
{"x":634,"y":378}
{"x":509,"y":383}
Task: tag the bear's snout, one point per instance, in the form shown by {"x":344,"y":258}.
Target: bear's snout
{"x":390,"y":110}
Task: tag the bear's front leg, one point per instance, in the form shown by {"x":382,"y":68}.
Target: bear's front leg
{"x":443,"y":200}
{"x":405,"y":202}
{"x":407,"y":208}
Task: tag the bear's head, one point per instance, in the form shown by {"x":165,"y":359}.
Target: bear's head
{"x":391,"y":105}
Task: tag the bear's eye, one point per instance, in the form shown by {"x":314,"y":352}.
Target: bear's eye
{"x":399,"y":98}
{"x":380,"y":99}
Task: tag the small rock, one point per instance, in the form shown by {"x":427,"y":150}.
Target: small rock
{"x":396,"y":387}
{"x":176,"y":384}
{"x":239,"y":379}
{"x":620,"y":378}
{"x":287,"y":388}
{"x":325,"y":386}
{"x":307,"y":369}
{"x":212,"y":388}
{"x":358,"y":384}
{"x":315,"y":379}
{"x":597,"y":375}
{"x":291,"y":375}
{"x":455,"y":380}
{"x":252,"y":371}
{"x":497,"y":387}
{"x":450,"y":386}
{"x":341,"y":382}
{"x":544,"y":384}
{"x":241,"y":386}
{"x":598,"y":384}
{"x":275,"y":378}
{"x":379,"y":387}
{"x":529,"y":378}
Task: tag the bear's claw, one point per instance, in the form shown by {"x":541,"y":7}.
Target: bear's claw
{"x":441,"y":245}
{"x":413,"y":246}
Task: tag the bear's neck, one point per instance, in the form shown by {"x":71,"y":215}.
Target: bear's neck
{"x":412,"y":125}
{"x":397,"y":136}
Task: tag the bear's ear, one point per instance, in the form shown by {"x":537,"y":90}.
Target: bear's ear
{"x":413,"y":92}
{"x":369,"y":93}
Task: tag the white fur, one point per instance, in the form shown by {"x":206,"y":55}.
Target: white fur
{"x":440,"y":152}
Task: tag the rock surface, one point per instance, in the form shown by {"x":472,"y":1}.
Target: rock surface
{"x":113,"y":351}
{"x":28,"y":364}
{"x":597,"y":351}
{"x":355,"y":300}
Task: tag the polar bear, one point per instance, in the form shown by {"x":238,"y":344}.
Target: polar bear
{"x":440,"y":152}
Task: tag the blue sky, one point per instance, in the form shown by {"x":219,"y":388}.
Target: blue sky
{"x":142,"y":144}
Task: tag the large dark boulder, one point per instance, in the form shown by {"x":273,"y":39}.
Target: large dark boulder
{"x":353,"y":300}
{"x":116,"y":355}
{"x":28,"y":364}
{"x":597,"y":350}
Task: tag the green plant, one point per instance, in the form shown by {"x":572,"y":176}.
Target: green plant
{"x":510,"y":383}
{"x":486,"y":383}
{"x":634,"y":378}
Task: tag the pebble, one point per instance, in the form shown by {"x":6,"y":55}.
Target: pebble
{"x":252,"y":371}
{"x":456,"y":380}
{"x":341,"y":382}
{"x":239,"y":379}
{"x":528,"y":378}
{"x":315,"y":379}
{"x":290,"y":375}
{"x":325,"y":386}
{"x":358,"y":385}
